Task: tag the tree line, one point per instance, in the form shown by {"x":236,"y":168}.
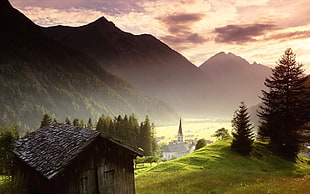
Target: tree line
{"x":126,"y":130}
{"x":284,"y":112}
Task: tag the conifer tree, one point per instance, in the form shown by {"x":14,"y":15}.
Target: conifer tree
{"x":146,"y":136}
{"x":8,"y":135}
{"x":89,"y":124}
{"x":242,"y":131}
{"x":46,"y":121}
{"x":67,"y":121}
{"x":82,"y":123}
{"x":285,"y":106}
{"x":76,"y":122}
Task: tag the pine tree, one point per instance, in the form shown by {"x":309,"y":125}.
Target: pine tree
{"x":8,"y":135}
{"x":82,"y":123}
{"x":67,"y":121}
{"x":242,"y":131}
{"x":89,"y":124}
{"x":76,"y":122}
{"x":105,"y":126}
{"x":146,"y":136}
{"x":285,"y":106}
{"x":46,"y":121}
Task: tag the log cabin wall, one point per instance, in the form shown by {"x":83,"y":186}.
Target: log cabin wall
{"x":103,"y":168}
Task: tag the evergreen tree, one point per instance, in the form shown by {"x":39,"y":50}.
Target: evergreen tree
{"x":242,"y":131}
{"x":76,"y":122}
{"x":89,"y":124}
{"x":46,"y":121}
{"x":105,"y":126}
{"x":8,"y":135}
{"x":146,"y":136}
{"x":285,"y":106}
{"x":82,"y":123}
{"x":67,"y":121}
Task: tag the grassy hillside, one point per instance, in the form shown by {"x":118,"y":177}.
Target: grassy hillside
{"x":216,"y":169}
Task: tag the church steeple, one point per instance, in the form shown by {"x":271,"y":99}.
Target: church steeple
{"x":180,"y":133}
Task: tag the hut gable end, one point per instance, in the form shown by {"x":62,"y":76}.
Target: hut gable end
{"x":50,"y":149}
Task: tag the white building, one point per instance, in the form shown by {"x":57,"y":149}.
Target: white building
{"x":178,"y":149}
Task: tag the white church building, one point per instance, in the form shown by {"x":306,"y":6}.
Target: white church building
{"x":179,"y":148}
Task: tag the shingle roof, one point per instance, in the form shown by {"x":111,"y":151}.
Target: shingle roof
{"x":178,"y":147}
{"x":49,"y":149}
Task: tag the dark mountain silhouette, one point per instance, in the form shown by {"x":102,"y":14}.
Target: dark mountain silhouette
{"x":233,"y":80}
{"x":143,"y":60}
{"x":39,"y":75}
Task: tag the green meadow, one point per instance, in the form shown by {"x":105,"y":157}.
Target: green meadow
{"x":217,"y":169}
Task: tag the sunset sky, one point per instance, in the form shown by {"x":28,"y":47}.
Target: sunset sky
{"x":257,"y":30}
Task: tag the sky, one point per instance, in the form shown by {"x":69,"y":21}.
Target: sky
{"x":257,"y":30}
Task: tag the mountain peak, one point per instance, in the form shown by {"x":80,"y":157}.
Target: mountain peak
{"x":5,"y":4}
{"x":223,"y":60}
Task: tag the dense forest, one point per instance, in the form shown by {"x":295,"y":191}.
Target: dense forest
{"x":126,"y":130}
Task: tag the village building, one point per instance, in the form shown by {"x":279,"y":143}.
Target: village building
{"x":179,"y":147}
{"x":73,"y":160}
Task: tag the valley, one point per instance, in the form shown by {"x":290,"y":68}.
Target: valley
{"x":192,"y":129}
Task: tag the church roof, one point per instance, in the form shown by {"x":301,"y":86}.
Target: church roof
{"x":178,"y":147}
{"x":180,"y":132}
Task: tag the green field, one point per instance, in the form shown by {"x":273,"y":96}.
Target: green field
{"x":216,"y":169}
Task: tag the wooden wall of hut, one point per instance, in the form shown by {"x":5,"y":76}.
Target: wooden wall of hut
{"x":103,"y":168}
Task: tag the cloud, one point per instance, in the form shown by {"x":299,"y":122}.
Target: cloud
{"x":180,"y":28}
{"x":287,"y":36}
{"x":242,"y":33}
{"x":184,"y":18}
{"x":111,"y":7}
{"x":190,"y":38}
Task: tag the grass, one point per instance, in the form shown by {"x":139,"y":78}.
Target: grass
{"x":217,"y":169}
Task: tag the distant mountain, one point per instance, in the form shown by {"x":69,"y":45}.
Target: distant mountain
{"x":39,"y":75}
{"x":233,"y":80}
{"x":143,"y":60}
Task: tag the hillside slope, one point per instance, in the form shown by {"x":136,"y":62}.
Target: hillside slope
{"x":39,"y":75}
{"x":217,"y":169}
{"x":144,"y":61}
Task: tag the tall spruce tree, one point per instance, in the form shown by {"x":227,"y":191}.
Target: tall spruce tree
{"x":67,"y":121}
{"x":90,"y":124}
{"x":146,"y":136}
{"x":46,"y":121}
{"x":243,"y":135}
{"x":285,"y":106}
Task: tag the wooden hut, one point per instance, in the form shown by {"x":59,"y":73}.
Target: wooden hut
{"x":69,"y":159}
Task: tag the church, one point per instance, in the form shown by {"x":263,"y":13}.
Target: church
{"x":177,"y":148}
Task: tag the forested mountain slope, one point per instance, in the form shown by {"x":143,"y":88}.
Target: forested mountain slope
{"x":146,"y":62}
{"x":39,"y":75}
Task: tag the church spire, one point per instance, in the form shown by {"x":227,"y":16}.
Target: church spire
{"x":180,"y":132}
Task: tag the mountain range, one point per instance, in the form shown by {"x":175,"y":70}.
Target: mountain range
{"x":97,"y":68}
{"x":213,"y":89}
{"x":146,"y":62}
{"x":40,"y":75}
